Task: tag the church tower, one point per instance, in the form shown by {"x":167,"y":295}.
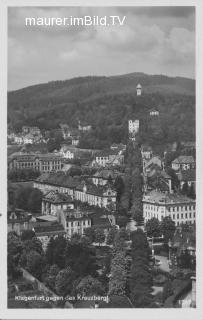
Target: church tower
{"x":139,"y":89}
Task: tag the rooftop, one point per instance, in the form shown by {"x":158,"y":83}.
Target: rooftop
{"x":166,"y":198}
{"x":184,"y":159}
{"x":47,"y":218}
{"x":56,"y":197}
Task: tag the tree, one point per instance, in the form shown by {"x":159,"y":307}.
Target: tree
{"x":64,"y":281}
{"x":118,"y":274}
{"x":89,"y":286}
{"x":167,"y":290}
{"x":120,"y":187}
{"x":99,"y":236}
{"x":153,"y":228}
{"x":33,"y":244}
{"x":50,"y":278}
{"x":81,"y":258}
{"x":167,"y":228}
{"x":50,"y":251}
{"x":35,"y":264}
{"x":141,"y":279}
{"x":27,"y":235}
{"x":14,"y":252}
{"x":90,"y":234}
{"x":35,"y":200}
{"x":185,"y":189}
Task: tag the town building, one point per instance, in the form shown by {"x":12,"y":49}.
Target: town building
{"x":40,"y":162}
{"x":139,"y":89}
{"x":109,"y":158}
{"x":146,"y":152}
{"x":101,"y":196}
{"x":44,"y":230}
{"x":54,"y":201}
{"x":18,"y":220}
{"x":118,"y":146}
{"x":154,"y":113}
{"x":154,"y":161}
{"x":158,"y":205}
{"x":75,"y":221}
{"x":188,"y":177}
{"x":84,"y":126}
{"x":75,"y":140}
{"x":66,"y":152}
{"x":133,"y":128}
{"x":104,"y":176}
{"x":57,"y":182}
{"x":183,"y":163}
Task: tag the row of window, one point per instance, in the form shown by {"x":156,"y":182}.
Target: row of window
{"x":174,"y":216}
{"x":79,"y":223}
{"x":170,"y":209}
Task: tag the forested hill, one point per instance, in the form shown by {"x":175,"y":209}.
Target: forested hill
{"x":107,"y":103}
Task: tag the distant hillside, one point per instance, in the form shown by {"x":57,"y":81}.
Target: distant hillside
{"x":107,"y":103}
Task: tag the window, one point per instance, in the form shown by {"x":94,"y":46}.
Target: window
{"x":181,"y":215}
{"x":178,"y":216}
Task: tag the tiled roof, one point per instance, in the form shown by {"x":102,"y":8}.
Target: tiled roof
{"x":106,"y":153}
{"x":57,"y":197}
{"x":184,"y":159}
{"x":106,"y":173}
{"x":93,"y":189}
{"x":166,"y":198}
{"x":59,"y":179}
{"x":47,"y":229}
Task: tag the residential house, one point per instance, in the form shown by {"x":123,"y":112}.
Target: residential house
{"x":183,"y":163}
{"x":18,"y":220}
{"x":54,"y":201}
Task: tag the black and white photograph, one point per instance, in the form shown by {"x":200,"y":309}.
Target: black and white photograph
{"x":101,"y":157}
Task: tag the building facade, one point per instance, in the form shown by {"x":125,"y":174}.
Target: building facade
{"x":54,"y":201}
{"x":40,"y":162}
{"x":158,"y":205}
{"x":183,"y":163}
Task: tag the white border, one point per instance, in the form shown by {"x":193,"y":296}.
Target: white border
{"x":185,"y":314}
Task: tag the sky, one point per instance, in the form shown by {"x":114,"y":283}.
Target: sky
{"x":153,"y":40}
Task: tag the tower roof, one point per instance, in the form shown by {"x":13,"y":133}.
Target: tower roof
{"x":139,"y":86}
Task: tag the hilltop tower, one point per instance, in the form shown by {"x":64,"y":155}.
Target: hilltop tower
{"x":139,"y":89}
{"x":133,"y":128}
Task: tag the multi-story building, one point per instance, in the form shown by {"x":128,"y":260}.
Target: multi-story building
{"x":133,"y":128}
{"x":158,"y":205}
{"x":44,"y":230}
{"x":102,"y":177}
{"x":84,"y":127}
{"x":57,"y":182}
{"x":18,"y":220}
{"x":183,"y":163}
{"x":86,"y":192}
{"x":54,"y":201}
{"x":95,"y":195}
{"x":109,"y":158}
{"x":188,"y":177}
{"x":154,"y":113}
{"x":75,"y":221}
{"x":41,"y":162}
{"x":146,"y":152}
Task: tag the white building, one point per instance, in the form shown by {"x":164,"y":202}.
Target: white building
{"x":154,"y":112}
{"x":139,"y":90}
{"x":95,"y":195}
{"x":183,"y":163}
{"x":75,"y":221}
{"x":133,"y":128}
{"x":158,"y":205}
